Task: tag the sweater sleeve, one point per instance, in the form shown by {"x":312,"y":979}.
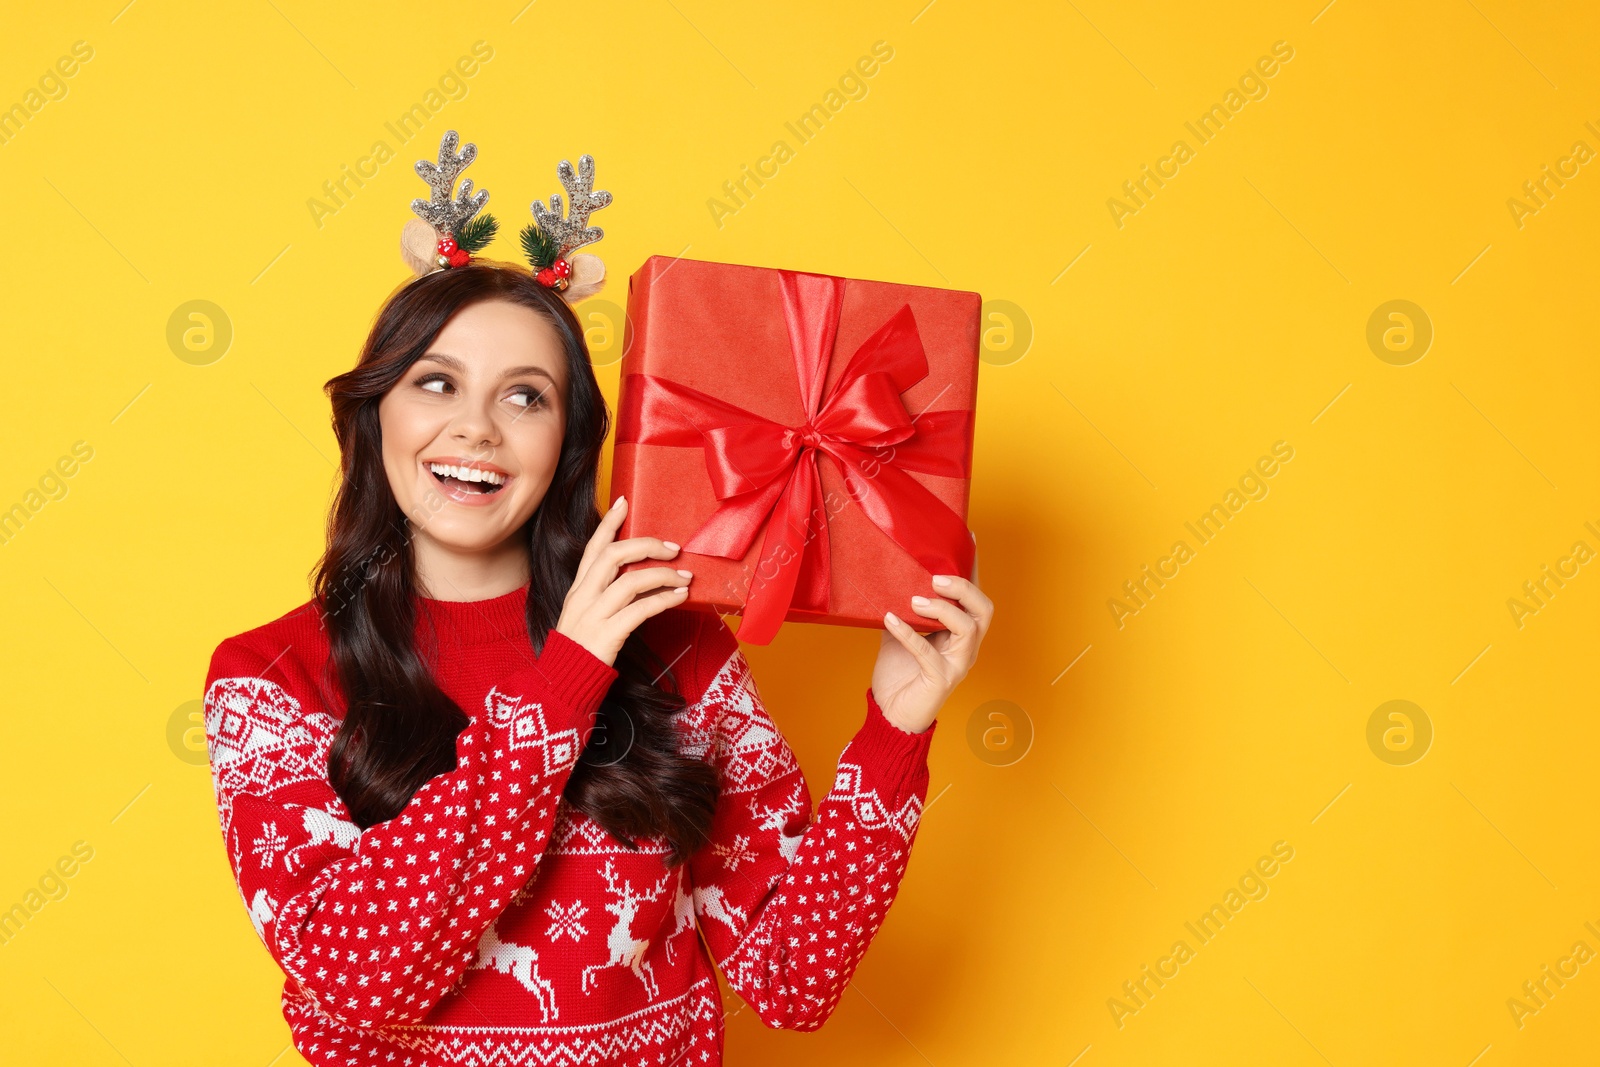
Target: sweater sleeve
{"x":788,"y":904}
{"x":375,"y":925}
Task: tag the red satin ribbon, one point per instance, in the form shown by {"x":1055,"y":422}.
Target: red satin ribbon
{"x":757,"y":469}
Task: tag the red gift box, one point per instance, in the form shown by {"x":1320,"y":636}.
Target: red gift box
{"x":738,"y":380}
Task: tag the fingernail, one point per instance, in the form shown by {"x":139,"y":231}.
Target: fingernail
{"x":920,"y":601}
{"x":890,"y":617}
{"x":941,"y":579}
{"x":618,"y":501}
{"x":671,"y":544}
{"x":686,"y":574}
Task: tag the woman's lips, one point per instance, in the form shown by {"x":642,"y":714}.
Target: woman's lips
{"x":452,"y":490}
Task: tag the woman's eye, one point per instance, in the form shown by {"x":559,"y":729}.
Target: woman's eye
{"x":433,"y":385}
{"x":528,"y":398}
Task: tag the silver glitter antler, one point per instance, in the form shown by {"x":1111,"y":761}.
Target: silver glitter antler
{"x":441,"y":212}
{"x":574,"y":230}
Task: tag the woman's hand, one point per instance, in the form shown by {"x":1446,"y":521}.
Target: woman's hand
{"x":914,"y":675}
{"x":600,"y":610}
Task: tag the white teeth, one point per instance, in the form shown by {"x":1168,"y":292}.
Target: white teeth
{"x":467,"y":474}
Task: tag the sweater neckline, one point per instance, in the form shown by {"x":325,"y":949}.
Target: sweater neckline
{"x":476,"y":622}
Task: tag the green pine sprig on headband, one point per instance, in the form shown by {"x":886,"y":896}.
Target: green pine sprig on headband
{"x":539,"y":247}
{"x":476,"y":233}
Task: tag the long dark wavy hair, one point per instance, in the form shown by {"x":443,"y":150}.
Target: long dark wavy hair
{"x":399,"y":728}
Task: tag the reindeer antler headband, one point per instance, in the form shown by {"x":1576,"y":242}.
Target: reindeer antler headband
{"x":447,"y":231}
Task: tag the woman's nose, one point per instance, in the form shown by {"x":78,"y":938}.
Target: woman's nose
{"x":474,"y":424}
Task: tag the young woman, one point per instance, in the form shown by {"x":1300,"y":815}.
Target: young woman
{"x":487,"y":798}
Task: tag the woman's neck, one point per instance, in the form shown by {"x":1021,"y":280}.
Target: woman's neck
{"x":446,"y":574}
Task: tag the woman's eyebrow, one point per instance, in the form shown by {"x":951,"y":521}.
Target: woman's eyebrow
{"x":449,"y":361}
{"x":516,"y":372}
{"x":459,"y":367}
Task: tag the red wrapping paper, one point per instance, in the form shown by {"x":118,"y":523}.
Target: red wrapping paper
{"x":806,"y":438}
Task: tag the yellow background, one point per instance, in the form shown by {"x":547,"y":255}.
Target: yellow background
{"x":1229,"y":313}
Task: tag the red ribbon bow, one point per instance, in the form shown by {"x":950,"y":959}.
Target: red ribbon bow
{"x":862,"y":423}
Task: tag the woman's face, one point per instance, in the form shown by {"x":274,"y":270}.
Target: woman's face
{"x":472,"y":431}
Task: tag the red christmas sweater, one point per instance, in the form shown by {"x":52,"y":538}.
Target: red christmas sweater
{"x":491,"y":923}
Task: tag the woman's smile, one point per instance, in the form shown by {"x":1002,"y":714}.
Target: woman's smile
{"x":467,"y":482}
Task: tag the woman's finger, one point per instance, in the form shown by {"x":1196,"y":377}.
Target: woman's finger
{"x":971,"y":598}
{"x":608,"y":564}
{"x":630,"y":617}
{"x":961,"y":626}
{"x":610,"y":522}
{"x":633,"y":549}
{"x":933,"y":664}
{"x":623,"y":591}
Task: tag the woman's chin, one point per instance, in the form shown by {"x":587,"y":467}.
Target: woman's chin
{"x":466,"y":538}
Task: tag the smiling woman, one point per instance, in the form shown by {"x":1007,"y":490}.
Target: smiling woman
{"x":438,"y":778}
